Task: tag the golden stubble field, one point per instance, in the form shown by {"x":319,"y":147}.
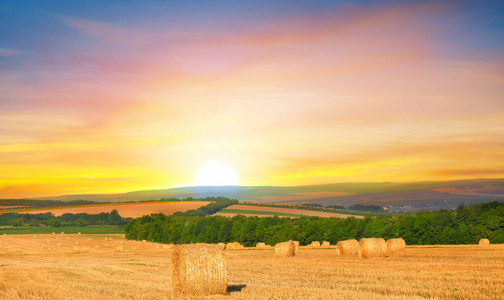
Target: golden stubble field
{"x":127,"y":210}
{"x":44,"y":267}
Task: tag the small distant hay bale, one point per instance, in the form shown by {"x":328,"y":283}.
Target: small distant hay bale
{"x":260,"y":245}
{"x":395,"y":245}
{"x":76,"y":249}
{"x":315,"y":244}
{"x":144,"y":241}
{"x":326,"y":244}
{"x":78,"y":233}
{"x":372,"y":247}
{"x":286,"y":249}
{"x":234,"y":246}
{"x":484,"y":242}
{"x":198,"y":270}
{"x":54,"y":233}
{"x":168,"y":246}
{"x":85,"y":249}
{"x":106,"y":239}
{"x":296,"y":245}
{"x":118,"y":248}
{"x":62,"y":232}
{"x":5,"y":234}
{"x":347,"y":247}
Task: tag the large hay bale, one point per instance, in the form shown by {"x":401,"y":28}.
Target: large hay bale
{"x":287,"y":249}
{"x":372,"y":247}
{"x":326,"y":244}
{"x":76,"y":249}
{"x":198,"y":270}
{"x":484,"y":242}
{"x":315,"y":244}
{"x":260,"y":245}
{"x":395,"y":245}
{"x":347,"y":247}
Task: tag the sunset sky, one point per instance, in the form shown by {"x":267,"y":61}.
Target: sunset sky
{"x":117,"y":96}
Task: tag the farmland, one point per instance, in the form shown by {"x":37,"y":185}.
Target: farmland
{"x":251,"y":210}
{"x":44,"y":267}
{"x":127,"y":210}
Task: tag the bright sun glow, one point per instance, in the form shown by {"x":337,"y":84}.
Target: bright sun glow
{"x":216,"y":173}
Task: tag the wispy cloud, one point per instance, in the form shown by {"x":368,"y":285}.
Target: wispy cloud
{"x":10,"y":52}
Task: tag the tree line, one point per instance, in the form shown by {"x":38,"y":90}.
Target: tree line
{"x":465,"y":225}
{"x":68,"y":219}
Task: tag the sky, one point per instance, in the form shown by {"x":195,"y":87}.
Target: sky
{"x":118,"y":96}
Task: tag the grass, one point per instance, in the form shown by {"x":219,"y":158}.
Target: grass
{"x":142,"y":271}
{"x":255,"y":212}
{"x":91,"y":229}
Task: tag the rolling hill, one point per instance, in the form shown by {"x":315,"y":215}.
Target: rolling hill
{"x":410,"y":196}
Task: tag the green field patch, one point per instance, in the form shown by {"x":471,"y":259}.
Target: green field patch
{"x":254,"y":212}
{"x":91,"y":229}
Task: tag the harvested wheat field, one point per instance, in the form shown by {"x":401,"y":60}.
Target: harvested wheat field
{"x":142,"y":271}
{"x":127,"y":210}
{"x":250,"y":209}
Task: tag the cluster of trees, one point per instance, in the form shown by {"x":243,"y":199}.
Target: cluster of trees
{"x":367,"y":208}
{"x":466,"y":225}
{"x":218,"y":203}
{"x":48,"y":219}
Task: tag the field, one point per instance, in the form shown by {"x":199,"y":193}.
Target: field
{"x":127,"y":210}
{"x":44,"y":267}
{"x":251,"y":210}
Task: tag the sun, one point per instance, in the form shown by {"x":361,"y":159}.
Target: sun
{"x":215,"y":173}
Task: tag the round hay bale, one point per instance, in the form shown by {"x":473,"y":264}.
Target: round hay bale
{"x":78,"y":233}
{"x":198,"y":270}
{"x":484,"y":242}
{"x":85,"y":249}
{"x":222,"y":246}
{"x":395,"y":245}
{"x":372,"y":247}
{"x":118,"y":248}
{"x":54,"y":233}
{"x":144,"y":241}
{"x":76,"y":249}
{"x":326,"y":244}
{"x":347,"y":247}
{"x":315,"y":244}
{"x":286,"y":249}
{"x":296,"y":245}
{"x":233,"y":246}
{"x":260,"y":245}
{"x":62,"y":232}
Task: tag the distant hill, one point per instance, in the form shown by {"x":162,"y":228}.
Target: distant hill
{"x":411,"y":196}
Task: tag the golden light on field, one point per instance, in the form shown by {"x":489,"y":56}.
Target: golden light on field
{"x":216,"y":173}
